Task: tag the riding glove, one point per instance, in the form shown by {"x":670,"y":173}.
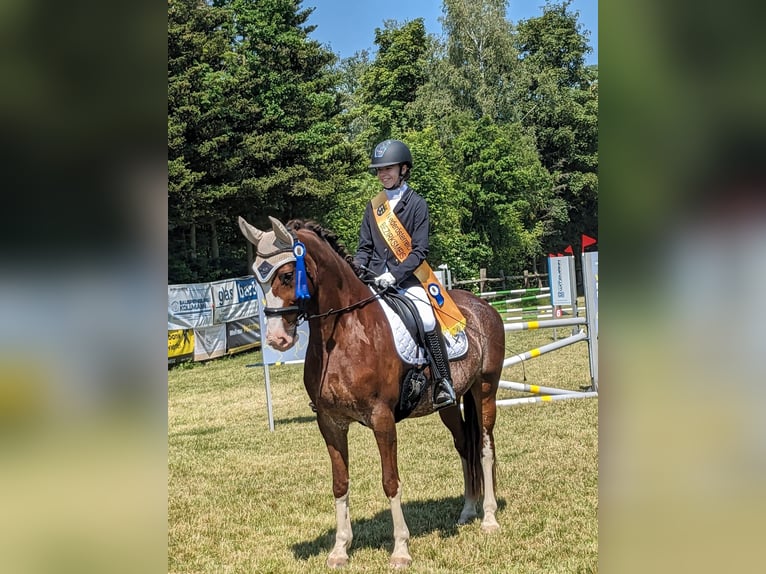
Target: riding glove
{"x":385,"y":281}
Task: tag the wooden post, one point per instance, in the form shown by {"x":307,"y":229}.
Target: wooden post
{"x":482,"y":278}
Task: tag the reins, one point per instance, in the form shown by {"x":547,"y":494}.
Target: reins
{"x":351,"y":307}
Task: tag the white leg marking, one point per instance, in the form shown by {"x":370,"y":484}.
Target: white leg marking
{"x":343,"y":536}
{"x":400,"y":557}
{"x":489,"y":523}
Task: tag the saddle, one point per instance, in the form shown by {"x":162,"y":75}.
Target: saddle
{"x":407,"y":312}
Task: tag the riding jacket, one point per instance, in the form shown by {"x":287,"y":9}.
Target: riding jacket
{"x":373,"y":251}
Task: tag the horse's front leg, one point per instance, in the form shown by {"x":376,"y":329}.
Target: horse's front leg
{"x":384,"y":427}
{"x":336,"y":439}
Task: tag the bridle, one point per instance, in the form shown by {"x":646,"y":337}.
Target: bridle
{"x":302,"y":295}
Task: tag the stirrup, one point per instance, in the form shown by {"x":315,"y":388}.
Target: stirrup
{"x":444,"y":395}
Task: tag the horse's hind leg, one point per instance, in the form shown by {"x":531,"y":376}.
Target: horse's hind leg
{"x":489,"y":523}
{"x":454,"y":422}
{"x":336,"y":439}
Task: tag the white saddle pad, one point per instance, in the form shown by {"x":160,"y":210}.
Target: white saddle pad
{"x":408,"y":350}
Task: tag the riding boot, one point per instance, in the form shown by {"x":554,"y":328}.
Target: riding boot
{"x":444,"y":394}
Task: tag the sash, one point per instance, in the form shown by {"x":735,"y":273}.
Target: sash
{"x":400,"y":243}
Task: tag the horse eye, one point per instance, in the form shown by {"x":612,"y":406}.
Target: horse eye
{"x":285,"y":278}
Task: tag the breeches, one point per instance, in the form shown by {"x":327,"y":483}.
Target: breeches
{"x":418,"y":296}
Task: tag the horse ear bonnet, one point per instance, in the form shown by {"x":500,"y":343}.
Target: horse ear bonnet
{"x":273,"y":249}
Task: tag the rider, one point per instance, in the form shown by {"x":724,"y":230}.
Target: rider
{"x":392,"y":162}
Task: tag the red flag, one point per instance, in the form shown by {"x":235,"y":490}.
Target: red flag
{"x":569,"y":250}
{"x":560,"y":255}
{"x":587,"y":241}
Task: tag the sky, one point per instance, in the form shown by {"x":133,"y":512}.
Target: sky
{"x":348,"y":26}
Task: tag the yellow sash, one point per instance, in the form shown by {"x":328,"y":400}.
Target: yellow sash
{"x":400,"y":243}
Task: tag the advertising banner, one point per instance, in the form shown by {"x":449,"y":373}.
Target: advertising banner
{"x":190,"y":306}
{"x":561,"y":274}
{"x":234,"y":299}
{"x":180,"y":345}
{"x":209,"y":342}
{"x":590,"y":270}
{"x":243,"y":335}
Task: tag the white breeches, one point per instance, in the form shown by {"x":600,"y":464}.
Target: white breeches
{"x":418,"y":295}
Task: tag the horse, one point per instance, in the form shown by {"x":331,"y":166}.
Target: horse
{"x":352,"y":372}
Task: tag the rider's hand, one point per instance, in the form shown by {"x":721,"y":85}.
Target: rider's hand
{"x":385,"y":281}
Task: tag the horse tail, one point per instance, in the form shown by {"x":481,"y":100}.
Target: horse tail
{"x":473,"y":434}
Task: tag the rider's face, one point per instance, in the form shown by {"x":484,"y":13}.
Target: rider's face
{"x":389,"y":175}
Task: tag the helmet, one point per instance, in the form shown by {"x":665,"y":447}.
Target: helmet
{"x":390,"y":152}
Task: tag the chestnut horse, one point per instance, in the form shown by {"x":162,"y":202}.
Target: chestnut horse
{"x":352,"y":371}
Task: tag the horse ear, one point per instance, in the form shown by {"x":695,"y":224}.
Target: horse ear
{"x":280,"y":231}
{"x":253,"y":234}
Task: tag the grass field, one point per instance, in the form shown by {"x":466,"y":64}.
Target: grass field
{"x":244,"y":499}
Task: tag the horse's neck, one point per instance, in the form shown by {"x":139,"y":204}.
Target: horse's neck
{"x":338,"y":285}
{"x":341,"y":287}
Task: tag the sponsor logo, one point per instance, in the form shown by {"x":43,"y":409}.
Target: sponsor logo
{"x":559,"y":280}
{"x":246,"y":290}
{"x":189,"y":305}
{"x":225,"y":296}
{"x":264,"y":269}
{"x":381,"y":148}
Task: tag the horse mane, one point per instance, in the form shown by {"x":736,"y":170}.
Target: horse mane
{"x":329,"y":237}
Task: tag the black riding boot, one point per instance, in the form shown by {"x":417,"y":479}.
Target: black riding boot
{"x":444,"y":394}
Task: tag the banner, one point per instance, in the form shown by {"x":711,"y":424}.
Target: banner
{"x":561,"y":274}
{"x":590,"y":270}
{"x":243,"y":335}
{"x":234,"y":299}
{"x":180,"y":345}
{"x":209,"y":342}
{"x":190,"y":306}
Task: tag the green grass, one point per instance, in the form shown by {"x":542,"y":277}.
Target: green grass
{"x":244,"y":499}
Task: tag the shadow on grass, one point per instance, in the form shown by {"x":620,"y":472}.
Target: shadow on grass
{"x":308,"y":419}
{"x":423,"y":517}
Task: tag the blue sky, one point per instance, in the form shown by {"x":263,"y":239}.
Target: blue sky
{"x":348,"y":26}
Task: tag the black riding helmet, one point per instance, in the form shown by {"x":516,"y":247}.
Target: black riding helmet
{"x":390,"y":152}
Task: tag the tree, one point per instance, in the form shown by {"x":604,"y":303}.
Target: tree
{"x":198,"y":38}
{"x":392,"y":80}
{"x":558,"y":97}
{"x":481,"y":56}
{"x":254,"y":126}
{"x":507,"y":192}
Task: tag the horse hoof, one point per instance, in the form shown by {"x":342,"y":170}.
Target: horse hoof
{"x":490,"y":526}
{"x":400,"y":562}
{"x":337,"y":561}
